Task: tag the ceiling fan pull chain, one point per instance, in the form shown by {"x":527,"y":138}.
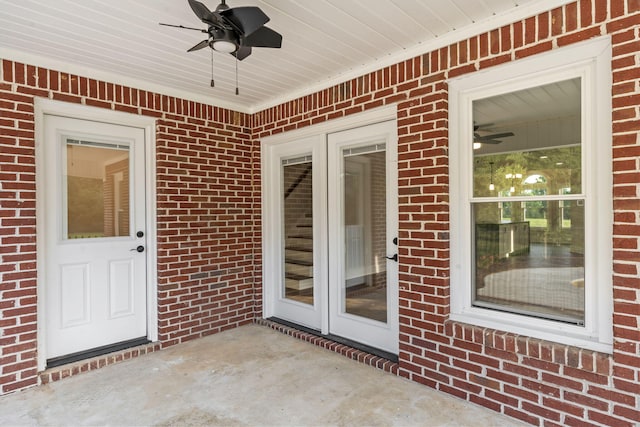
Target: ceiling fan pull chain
{"x":237,"y":90}
{"x":212,"y":82}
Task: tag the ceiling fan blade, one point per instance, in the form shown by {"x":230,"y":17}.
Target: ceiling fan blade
{"x":490,"y":141}
{"x":202,"y":44}
{"x":482,"y":126}
{"x":246,"y":19}
{"x":202,"y":12}
{"x":183,"y":27}
{"x":495,"y":135}
{"x":242,"y":52}
{"x":263,"y":37}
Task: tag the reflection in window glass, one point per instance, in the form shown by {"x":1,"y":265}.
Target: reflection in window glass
{"x":531,"y":174}
{"x":525,"y":269}
{"x":365,"y":232}
{"x":529,"y":239}
{"x":297,"y":238}
{"x":97,"y":190}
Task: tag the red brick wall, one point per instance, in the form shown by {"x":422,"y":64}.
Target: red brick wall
{"x":208,"y":173}
{"x":17,"y":239}
{"x":205,"y":223}
{"x":539,"y":382}
{"x":206,"y":213}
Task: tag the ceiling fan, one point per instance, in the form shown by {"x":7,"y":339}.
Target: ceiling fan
{"x":488,"y":139}
{"x":232,"y":30}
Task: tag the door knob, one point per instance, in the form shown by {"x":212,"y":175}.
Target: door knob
{"x":138,"y":249}
{"x":393,"y":257}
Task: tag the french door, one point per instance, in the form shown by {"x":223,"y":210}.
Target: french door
{"x":362,"y":225}
{"x":330,"y":234}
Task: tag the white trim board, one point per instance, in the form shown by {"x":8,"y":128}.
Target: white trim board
{"x":375,"y":115}
{"x":105,"y":76}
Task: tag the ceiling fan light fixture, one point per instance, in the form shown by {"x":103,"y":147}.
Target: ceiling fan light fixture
{"x":492,"y":187}
{"x":224,"y":46}
{"x":222,"y":40}
{"x":513,"y":177}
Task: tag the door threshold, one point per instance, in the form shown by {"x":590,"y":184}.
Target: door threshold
{"x":94,"y":352}
{"x":337,"y":339}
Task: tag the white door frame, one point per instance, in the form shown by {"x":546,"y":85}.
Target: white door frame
{"x":373,"y":116}
{"x":44,"y":107}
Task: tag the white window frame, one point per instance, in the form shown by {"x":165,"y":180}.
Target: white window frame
{"x":591,"y":62}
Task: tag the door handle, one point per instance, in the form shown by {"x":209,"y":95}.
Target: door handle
{"x":138,"y":249}
{"x":393,"y":257}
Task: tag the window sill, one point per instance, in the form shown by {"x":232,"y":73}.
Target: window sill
{"x":554,"y":332}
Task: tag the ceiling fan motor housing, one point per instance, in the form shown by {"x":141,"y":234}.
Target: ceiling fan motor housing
{"x":222,"y":6}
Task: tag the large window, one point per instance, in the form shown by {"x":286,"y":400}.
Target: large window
{"x":531,"y":225}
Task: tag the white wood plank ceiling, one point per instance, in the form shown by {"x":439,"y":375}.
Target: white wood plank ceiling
{"x":324,"y":41}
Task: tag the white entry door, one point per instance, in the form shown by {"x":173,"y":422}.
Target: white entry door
{"x":363,"y":221}
{"x":95,"y":235}
{"x":330,"y":228}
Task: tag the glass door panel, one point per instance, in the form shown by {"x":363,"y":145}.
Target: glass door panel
{"x":364,"y":288}
{"x":97,"y":190}
{"x":297,"y":229}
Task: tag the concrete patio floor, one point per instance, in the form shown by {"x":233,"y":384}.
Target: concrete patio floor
{"x":251,"y":375}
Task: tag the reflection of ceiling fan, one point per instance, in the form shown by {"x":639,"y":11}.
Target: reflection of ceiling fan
{"x":488,"y":139}
{"x":233,"y":30}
